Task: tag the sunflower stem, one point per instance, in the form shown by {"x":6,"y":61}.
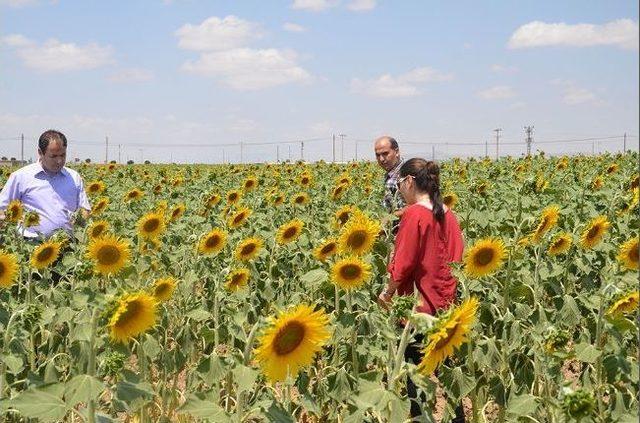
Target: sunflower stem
{"x":91,"y":366}
{"x":142,"y":367}
{"x":354,"y":336}
{"x":399,"y":359}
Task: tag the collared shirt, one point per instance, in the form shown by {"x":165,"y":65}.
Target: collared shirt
{"x":392,"y":200}
{"x":55,"y":197}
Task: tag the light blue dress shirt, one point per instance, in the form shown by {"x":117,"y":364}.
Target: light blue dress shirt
{"x":55,"y":197}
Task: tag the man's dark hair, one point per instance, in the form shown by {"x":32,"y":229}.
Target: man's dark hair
{"x":393,"y":143}
{"x":48,"y":136}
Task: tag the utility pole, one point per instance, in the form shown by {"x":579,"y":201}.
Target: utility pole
{"x":356,"y":151}
{"x":106,"y":150}
{"x":241,"y":153}
{"x":289,"y":148}
{"x":277,"y":153}
{"x":624,"y":142}
{"x":497,"y":131}
{"x":529,"y":139}
{"x":486,"y":148}
{"x":141,"y":155}
{"x":333,"y":142}
{"x":342,"y":147}
{"x":22,"y":146}
{"x":433,"y":152}
{"x":119,"y":153}
{"x":223,"y":158}
{"x":302,"y":150}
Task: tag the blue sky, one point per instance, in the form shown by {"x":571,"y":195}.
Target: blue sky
{"x":180,"y":73}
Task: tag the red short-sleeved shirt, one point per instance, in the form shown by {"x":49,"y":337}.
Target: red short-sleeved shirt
{"x":423,"y":250}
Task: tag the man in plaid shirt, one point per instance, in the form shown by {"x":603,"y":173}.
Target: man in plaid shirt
{"x":388,"y":157}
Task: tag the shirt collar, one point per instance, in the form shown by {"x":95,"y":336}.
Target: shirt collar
{"x":396,"y":168}
{"x":39,"y":169}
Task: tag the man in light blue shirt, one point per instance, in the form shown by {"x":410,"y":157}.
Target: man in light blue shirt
{"x":48,"y":188}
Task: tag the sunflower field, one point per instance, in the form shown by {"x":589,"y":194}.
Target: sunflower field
{"x":248,"y":293}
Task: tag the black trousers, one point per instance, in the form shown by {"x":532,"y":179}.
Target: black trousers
{"x":413,"y":354}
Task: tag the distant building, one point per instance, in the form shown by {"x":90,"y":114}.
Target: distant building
{"x":13,"y":162}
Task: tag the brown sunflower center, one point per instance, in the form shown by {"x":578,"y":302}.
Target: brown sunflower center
{"x":450,"y":334}
{"x":299,"y":199}
{"x":593,"y":232}
{"x":289,"y":338}
{"x":305,"y":180}
{"x":327,"y":249}
{"x":212,"y":241}
{"x":248,"y":249}
{"x":162,"y":289}
{"x":97,"y":231}
{"x":108,"y":255}
{"x":357,"y":239}
{"x":350,"y":271}
{"x":290,"y":232}
{"x":447,"y":200}
{"x":131,"y":313}
{"x":176,"y":212}
{"x":237,"y":279}
{"x":3,"y":269}
{"x":151,"y":224}
{"x":484,"y":256}
{"x":343,"y":217}
{"x":45,"y":254}
{"x":233,"y":196}
{"x":633,"y":254}
{"x":239,"y":218}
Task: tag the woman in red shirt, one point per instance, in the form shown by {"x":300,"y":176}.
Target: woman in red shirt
{"x":429,"y":238}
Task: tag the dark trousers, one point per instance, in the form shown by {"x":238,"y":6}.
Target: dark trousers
{"x":413,"y":354}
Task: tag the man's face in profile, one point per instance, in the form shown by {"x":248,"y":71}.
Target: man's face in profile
{"x":386,"y":156}
{"x":54,"y":157}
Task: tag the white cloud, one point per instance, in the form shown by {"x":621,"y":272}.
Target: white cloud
{"x":405,"y":85}
{"x":622,"y":33}
{"x":292,"y":27}
{"x":314,"y":5}
{"x":131,"y":75}
{"x":361,"y":5}
{"x":55,"y":56}
{"x":217,"y":34}
{"x":250,"y":69}
{"x":498,"y":92}
{"x":573,"y":95}
{"x":497,"y":68}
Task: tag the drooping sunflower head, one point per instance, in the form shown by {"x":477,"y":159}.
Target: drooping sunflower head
{"x":31,"y":219}
{"x":248,"y":249}
{"x":338,"y":191}
{"x":560,"y":244}
{"x":343,"y":214}
{"x":484,"y":257}
{"x":289,"y":232}
{"x":97,"y":229}
{"x":45,"y":254}
{"x":177,"y":212}
{"x":163,"y":289}
{"x":250,"y":184}
{"x":133,"y":195}
{"x":635,"y":182}
{"x":14,"y":211}
{"x":612,"y":168}
{"x":449,"y":334}
{"x":8,"y":269}
{"x":594,"y":232}
{"x":548,"y":219}
{"x":233,"y":196}
{"x":133,"y":315}
{"x":95,"y":187}
{"x":628,"y":254}
{"x":300,"y":199}
{"x":450,"y":199}
{"x":358,"y":235}
{"x":157,"y":189}
{"x":99,"y":206}
{"x":108,"y":253}
{"x":151,"y":225}
{"x":350,"y":273}
{"x":597,"y":183}
{"x":326,"y":250}
{"x":626,"y":304}
{"x":237,"y":279}
{"x":239,"y":217}
{"x":212,"y":242}
{"x":213,"y":200}
{"x":291,"y":342}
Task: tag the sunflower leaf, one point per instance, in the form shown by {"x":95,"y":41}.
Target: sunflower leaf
{"x":44,"y":403}
{"x":200,"y":407}
{"x":82,"y":388}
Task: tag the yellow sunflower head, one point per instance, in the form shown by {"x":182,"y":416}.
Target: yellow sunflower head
{"x":212,"y":242}
{"x":237,"y":279}
{"x":99,"y":206}
{"x":151,"y":225}
{"x":560,"y":244}
{"x":277,"y":199}
{"x":233,"y":196}
{"x":451,"y":331}
{"x":177,"y":212}
{"x":289,"y":232}
{"x":484,"y":257}
{"x":338,"y":191}
{"x":450,"y":199}
{"x":548,"y":219}
{"x":133,"y":195}
{"x":14,"y":211}
{"x":300,"y":199}
{"x":45,"y":254}
{"x":635,"y":182}
{"x":108,"y":253}
{"x":594,"y":233}
{"x":626,"y":304}
{"x":248,"y":249}
{"x":628,"y":254}
{"x":358,"y":235}
{"x":250,"y":184}
{"x":133,"y":315}
{"x":613,"y":167}
{"x":291,"y":342}
{"x":239,"y":218}
{"x":213,"y":200}
{"x":97,"y":229}
{"x":31,"y":219}
{"x":343,"y":214}
{"x":95,"y":187}
{"x":597,"y":183}
{"x":350,"y":273}
{"x":8,"y":269}
{"x":326,"y":250}
{"x":163,"y":289}
{"x":305,"y":179}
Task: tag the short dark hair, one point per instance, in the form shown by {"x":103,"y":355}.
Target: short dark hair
{"x":48,"y":136}
{"x":393,"y":143}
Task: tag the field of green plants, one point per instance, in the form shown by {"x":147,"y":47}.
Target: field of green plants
{"x":248,"y":293}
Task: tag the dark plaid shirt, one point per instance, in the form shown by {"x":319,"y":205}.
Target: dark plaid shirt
{"x":392,"y":200}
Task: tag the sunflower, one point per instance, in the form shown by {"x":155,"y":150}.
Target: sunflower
{"x":350,"y":273}
{"x":8,"y":269}
{"x":358,"y":235}
{"x":343,"y":214}
{"x":157,"y":189}
{"x":99,"y":206}
{"x":162,"y":206}
{"x":626,"y":304}
{"x":305,"y":180}
{"x":289,"y":232}
{"x":248,"y":249}
{"x":233,"y":196}
{"x":484,"y":258}
{"x":326,"y":250}
{"x":450,"y":199}
{"x":237,"y":279}
{"x":212,"y":242}
{"x":628,"y":254}
{"x":277,"y":199}
{"x":239,"y":218}
{"x":14,"y":211}
{"x":291,"y":342}
{"x":133,"y":195}
{"x":597,"y":183}
{"x":45,"y":254}
{"x":250,"y":184}
{"x":449,"y":334}
{"x":338,"y":191}
{"x":213,"y":200}
{"x":635,"y":181}
{"x":300,"y":199}
{"x":163,"y":289}
{"x":541,"y":184}
{"x":134,"y":314}
{"x":95,"y":187}
{"x":593,"y":234}
{"x":31,"y":219}
{"x":97,"y":228}
{"x":560,"y":244}
{"x":108,"y":253}
{"x":151,"y":225}
{"x":177,"y":212}
{"x":548,"y":219}
{"x":613,"y":168}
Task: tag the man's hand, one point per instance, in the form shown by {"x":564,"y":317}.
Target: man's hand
{"x":384,"y":300}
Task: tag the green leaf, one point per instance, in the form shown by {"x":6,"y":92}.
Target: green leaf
{"x":198,"y":315}
{"x":14,"y":364}
{"x":522,"y":405}
{"x":569,"y":313}
{"x":151,"y":347}
{"x":42,"y":404}
{"x":587,"y":353}
{"x":245,"y":377}
{"x":314,"y":277}
{"x":83,"y":388}
{"x":129,"y":392}
{"x":198,"y":407}
{"x":277,"y":414}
